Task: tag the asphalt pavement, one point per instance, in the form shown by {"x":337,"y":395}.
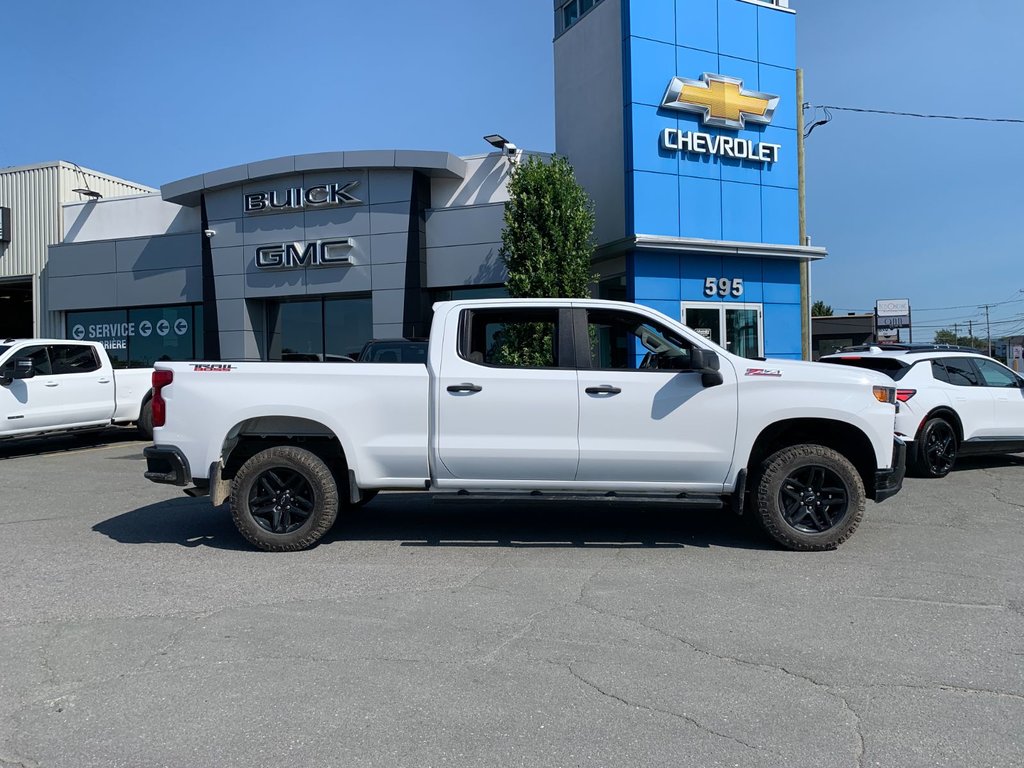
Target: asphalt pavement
{"x":137,"y":628}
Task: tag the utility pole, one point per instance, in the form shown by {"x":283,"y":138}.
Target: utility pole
{"x":805,"y":267}
{"x":956,"y":332}
{"x":988,"y":328}
{"x":970,"y":331}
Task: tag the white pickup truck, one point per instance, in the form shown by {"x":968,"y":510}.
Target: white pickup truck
{"x":552,"y":396}
{"x":58,"y":385}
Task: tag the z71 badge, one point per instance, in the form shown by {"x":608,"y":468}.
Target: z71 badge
{"x":212,"y":367}
{"x":774,"y":372}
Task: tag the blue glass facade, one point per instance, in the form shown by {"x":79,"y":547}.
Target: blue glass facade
{"x":671,"y":193}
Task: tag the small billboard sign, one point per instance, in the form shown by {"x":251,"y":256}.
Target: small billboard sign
{"x":892,"y":313}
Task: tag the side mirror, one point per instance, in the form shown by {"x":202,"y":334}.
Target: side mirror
{"x":19,"y":368}
{"x":707,"y":363}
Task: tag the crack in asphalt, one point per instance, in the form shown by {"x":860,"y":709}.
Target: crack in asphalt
{"x":753,"y":664}
{"x":18,"y":762}
{"x":925,"y":601}
{"x":530,"y":623}
{"x":648,"y":708}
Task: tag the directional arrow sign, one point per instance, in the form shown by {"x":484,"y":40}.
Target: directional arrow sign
{"x":145,"y":327}
{"x":180,"y":326}
{"x":163,"y":327}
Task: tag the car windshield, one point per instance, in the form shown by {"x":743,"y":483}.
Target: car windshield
{"x":894,"y":369}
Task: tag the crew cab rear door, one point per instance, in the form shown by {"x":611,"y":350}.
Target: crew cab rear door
{"x":507,"y":407}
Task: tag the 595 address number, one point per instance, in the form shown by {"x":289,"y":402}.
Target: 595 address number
{"x":723,"y":286}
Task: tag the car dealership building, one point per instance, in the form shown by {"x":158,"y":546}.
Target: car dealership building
{"x":679,"y":116}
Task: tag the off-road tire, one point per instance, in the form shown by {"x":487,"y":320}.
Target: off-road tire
{"x":935,"y":449}
{"x":309,"y":473}
{"x":145,"y":422}
{"x":796,"y":513}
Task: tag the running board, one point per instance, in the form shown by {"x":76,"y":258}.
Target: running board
{"x":688,"y":500}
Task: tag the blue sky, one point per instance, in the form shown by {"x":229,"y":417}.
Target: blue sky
{"x":922,"y":209}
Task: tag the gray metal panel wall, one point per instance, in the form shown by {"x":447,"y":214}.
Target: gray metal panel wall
{"x":31,"y":193}
{"x":589,"y":113}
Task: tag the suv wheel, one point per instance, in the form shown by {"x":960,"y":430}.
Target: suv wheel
{"x":935,"y":448}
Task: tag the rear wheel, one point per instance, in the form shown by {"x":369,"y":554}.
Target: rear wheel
{"x":284,"y":499}
{"x":145,"y":422}
{"x":809,"y":497}
{"x":935,"y":449}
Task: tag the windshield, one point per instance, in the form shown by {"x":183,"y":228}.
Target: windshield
{"x":894,"y":369}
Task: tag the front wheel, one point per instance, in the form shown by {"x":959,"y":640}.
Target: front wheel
{"x":935,"y":449}
{"x":809,"y":497}
{"x":284,"y":499}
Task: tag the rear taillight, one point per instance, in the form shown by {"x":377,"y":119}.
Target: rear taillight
{"x":160,"y":380}
{"x":905,"y":394}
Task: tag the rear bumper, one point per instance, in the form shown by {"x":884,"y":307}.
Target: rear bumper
{"x":168,"y":465}
{"x":888,"y":482}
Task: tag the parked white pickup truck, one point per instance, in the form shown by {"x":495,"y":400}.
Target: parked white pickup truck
{"x":59,"y":385}
{"x":533,"y":396}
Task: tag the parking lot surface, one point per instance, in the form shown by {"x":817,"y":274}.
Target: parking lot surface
{"x":138,"y":629}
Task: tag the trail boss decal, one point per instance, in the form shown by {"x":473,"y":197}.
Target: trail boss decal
{"x":772,"y":372}
{"x":212,"y":367}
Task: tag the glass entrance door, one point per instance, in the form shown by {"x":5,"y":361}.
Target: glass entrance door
{"x":737,"y":327}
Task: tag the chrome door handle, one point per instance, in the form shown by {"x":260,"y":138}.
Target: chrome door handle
{"x":104,"y":381}
{"x":52,"y":384}
{"x":602,"y":390}
{"x":466,"y":387}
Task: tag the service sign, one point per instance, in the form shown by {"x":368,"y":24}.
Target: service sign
{"x":5,"y":225}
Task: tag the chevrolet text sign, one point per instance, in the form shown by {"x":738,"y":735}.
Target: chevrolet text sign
{"x":721,"y":102}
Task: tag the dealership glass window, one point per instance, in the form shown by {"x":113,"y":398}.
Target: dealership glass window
{"x":312,"y":330}
{"x":572,"y":11}
{"x":735,"y":326}
{"x":138,"y":337}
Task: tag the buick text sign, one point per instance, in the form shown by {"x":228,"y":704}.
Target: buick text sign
{"x":298,"y":198}
{"x":319,"y":253}
{"x":5,"y":225}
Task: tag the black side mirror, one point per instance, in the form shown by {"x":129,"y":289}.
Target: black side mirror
{"x":19,"y":368}
{"x":707,"y":362}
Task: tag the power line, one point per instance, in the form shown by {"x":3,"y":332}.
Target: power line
{"x":974,"y":118}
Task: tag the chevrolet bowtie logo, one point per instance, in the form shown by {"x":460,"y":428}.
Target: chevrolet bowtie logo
{"x":720,"y":101}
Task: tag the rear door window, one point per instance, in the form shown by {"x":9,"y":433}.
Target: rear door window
{"x":73,"y":358}
{"x":960,"y":372}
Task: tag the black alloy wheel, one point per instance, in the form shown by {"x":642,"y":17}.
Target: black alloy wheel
{"x":281,"y":500}
{"x":808,"y":497}
{"x":284,"y":499}
{"x":938,"y":445}
{"x":813,"y":499}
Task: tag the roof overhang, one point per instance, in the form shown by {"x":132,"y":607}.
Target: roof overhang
{"x":714,"y":247}
{"x":434,"y":164}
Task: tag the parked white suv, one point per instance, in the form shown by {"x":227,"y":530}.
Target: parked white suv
{"x":954,"y":401}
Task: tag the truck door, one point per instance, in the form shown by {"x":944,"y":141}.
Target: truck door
{"x":644,"y":415}
{"x":507,"y":406}
{"x":33,"y":403}
{"x":86,"y":387}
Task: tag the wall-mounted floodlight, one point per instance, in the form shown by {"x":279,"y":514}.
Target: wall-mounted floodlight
{"x":508,"y":149}
{"x":91,"y":193}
